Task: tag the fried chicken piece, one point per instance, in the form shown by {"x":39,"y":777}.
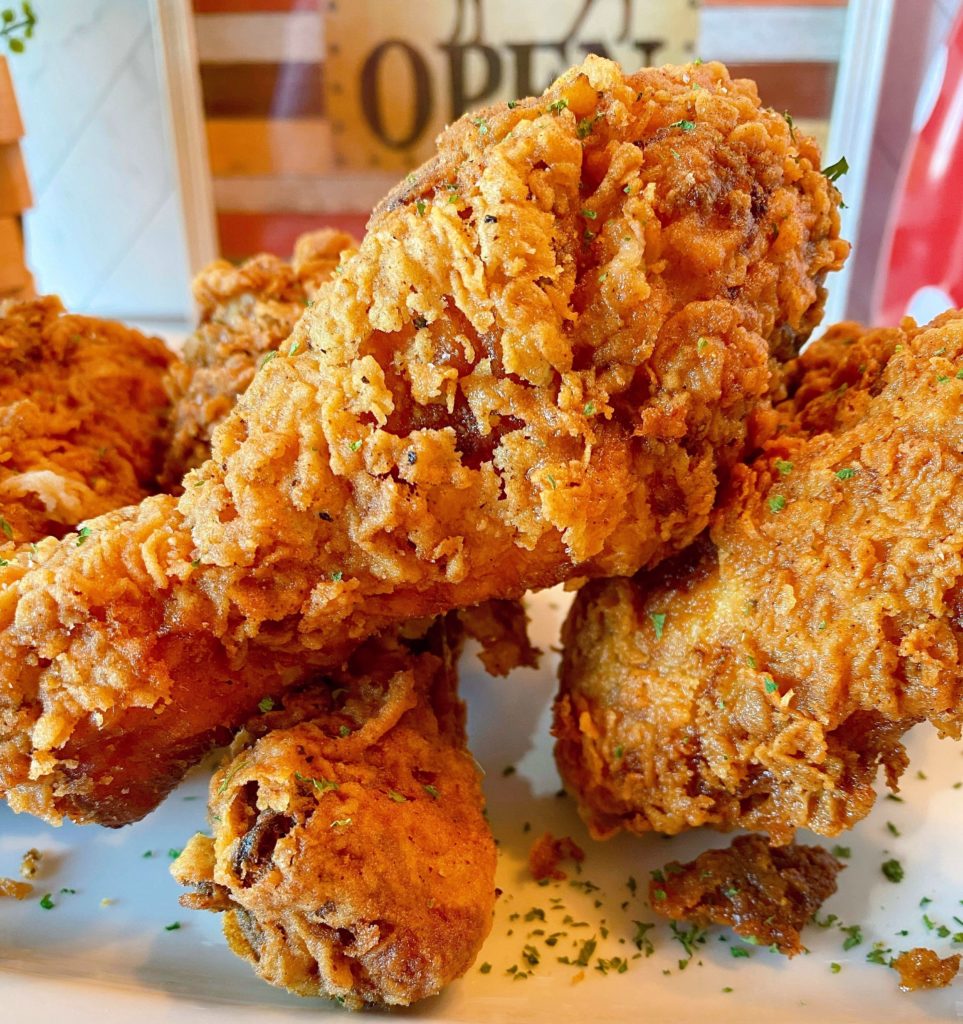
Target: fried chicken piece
{"x":16,"y":890}
{"x":922,"y":968}
{"x":535,"y":374}
{"x":83,"y":416}
{"x":547,"y":853}
{"x":350,"y":854}
{"x":245,"y":313}
{"x":761,"y":679}
{"x":765,"y":894}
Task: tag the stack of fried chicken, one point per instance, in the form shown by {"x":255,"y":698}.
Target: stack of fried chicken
{"x":567,"y":350}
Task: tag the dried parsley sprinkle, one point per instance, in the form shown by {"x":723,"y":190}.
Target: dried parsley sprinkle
{"x":586,"y":125}
{"x":842,"y":852}
{"x":658,"y":623}
{"x":47,"y":902}
{"x":399,"y":798}
{"x":590,"y":214}
{"x":558,"y":106}
{"x":265,"y":705}
{"x":431,"y":791}
{"x":173,"y":927}
{"x":7,"y":528}
{"x":893,"y":870}
{"x":893,"y":830}
{"x":835,"y":171}
{"x":739,"y":952}
{"x":421,"y":206}
{"x":659,"y":895}
{"x":354,"y":445}
{"x":173,"y":854}
{"x":835,"y":968}
{"x":701,"y":344}
{"x":195,"y":563}
{"x":854,"y":936}
{"x":82,"y":534}
{"x":777,"y":503}
{"x":589,"y":409}
{"x":619,"y":750}
{"x":686,"y":126}
{"x":68,"y":892}
{"x":783,"y":467}
{"x":337,"y":576}
{"x":321,"y":785}
{"x":846,"y":473}
{"x":485,"y":968}
{"x":230,"y":775}
{"x":770,"y":685}
{"x":344,"y":731}
{"x":147,"y":854}
{"x":481,"y":124}
{"x":792,"y":128}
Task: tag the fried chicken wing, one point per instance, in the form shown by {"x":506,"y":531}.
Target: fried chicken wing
{"x":767,"y":895}
{"x":245,"y":313}
{"x":544,"y":354}
{"x":83,"y":418}
{"x":350,"y":853}
{"x":762,"y":678}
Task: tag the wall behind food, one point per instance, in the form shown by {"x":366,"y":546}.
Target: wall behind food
{"x":106,"y":229}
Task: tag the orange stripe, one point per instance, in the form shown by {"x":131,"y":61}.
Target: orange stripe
{"x":253,"y":6}
{"x":244,"y":234}
{"x":804,"y":89}
{"x":245,"y":147}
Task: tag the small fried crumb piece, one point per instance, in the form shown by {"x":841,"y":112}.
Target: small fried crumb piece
{"x":546,"y":854}
{"x":18,"y":890}
{"x":765,"y":894}
{"x":921,"y":968}
{"x":30,"y":863}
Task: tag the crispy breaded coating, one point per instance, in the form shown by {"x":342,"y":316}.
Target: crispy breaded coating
{"x":244,"y":313}
{"x":765,"y":894}
{"x":83,"y":417}
{"x":547,"y":854}
{"x":922,"y":968}
{"x":350,"y":853}
{"x":761,"y":679}
{"x":544,"y":354}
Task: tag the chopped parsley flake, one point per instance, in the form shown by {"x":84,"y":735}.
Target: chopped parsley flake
{"x":843,"y":852}
{"x":792,"y":128}
{"x":586,"y":125}
{"x":235,"y":768}
{"x":558,"y":106}
{"x":893,"y":870}
{"x":341,"y":822}
{"x":337,"y":576}
{"x":589,"y":409}
{"x":846,"y":473}
{"x":344,"y":731}
{"x":173,"y":854}
{"x":835,"y":968}
{"x":659,"y":895}
{"x":82,"y":534}
{"x":173,"y":927}
{"x":354,"y":445}
{"x":619,"y":750}
{"x":321,"y":785}
{"x":701,"y":344}
{"x":658,"y":623}
{"x":195,"y":564}
{"x":854,"y":936}
{"x":481,"y":124}
{"x":399,"y":798}
{"x":893,"y":830}
{"x":265,"y":705}
{"x":421,"y":206}
{"x":686,"y":126}
{"x":47,"y":902}
{"x":783,"y":467}
{"x":777,"y":503}
{"x":770,"y":685}
{"x":7,"y":528}
{"x":835,"y":171}
{"x":590,"y":214}
{"x":431,"y":791}
{"x":486,"y":967}
{"x":739,"y":952}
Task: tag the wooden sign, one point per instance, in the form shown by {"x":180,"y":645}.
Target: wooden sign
{"x":397,"y":72}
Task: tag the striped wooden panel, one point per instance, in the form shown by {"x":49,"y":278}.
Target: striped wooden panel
{"x":268,"y":137}
{"x":242,"y":234}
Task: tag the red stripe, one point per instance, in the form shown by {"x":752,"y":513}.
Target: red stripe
{"x":244,"y":234}
{"x":253,"y":6}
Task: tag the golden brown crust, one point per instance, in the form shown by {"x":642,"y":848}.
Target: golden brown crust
{"x":486,"y":400}
{"x":922,"y":968}
{"x":765,"y":894}
{"x":244,"y":313}
{"x":547,"y":853}
{"x":350,"y":850}
{"x":817,"y":622}
{"x":83,"y":417}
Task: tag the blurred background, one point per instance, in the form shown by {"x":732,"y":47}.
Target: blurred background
{"x":157,"y":134}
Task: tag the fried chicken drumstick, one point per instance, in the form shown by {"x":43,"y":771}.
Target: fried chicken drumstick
{"x":245,"y":312}
{"x":83,"y":418}
{"x":761,"y":679}
{"x":536,"y":366}
{"x":350,"y":853}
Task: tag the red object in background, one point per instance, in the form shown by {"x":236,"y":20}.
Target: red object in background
{"x":925,"y":235}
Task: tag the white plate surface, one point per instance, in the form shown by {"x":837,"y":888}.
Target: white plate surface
{"x":83,"y":961}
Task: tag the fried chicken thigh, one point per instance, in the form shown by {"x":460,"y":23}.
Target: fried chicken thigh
{"x":245,"y":313}
{"x":547,"y":349}
{"x":350,"y":853}
{"x":761,"y":679}
{"x":83,"y":418}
